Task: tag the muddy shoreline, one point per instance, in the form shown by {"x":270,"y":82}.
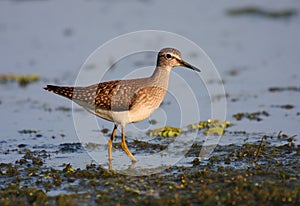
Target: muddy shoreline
{"x":230,"y":176}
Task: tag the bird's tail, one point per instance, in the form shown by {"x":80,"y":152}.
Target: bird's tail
{"x":63,"y":91}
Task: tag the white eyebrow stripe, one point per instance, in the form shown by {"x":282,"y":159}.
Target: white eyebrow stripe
{"x":177,"y":57}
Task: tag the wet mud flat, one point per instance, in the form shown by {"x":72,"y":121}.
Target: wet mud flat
{"x":258,"y":173}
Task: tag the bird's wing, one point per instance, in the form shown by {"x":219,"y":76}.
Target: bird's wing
{"x":113,"y":95}
{"x":118,"y":95}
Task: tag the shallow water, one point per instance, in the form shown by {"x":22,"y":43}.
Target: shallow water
{"x":251,"y":53}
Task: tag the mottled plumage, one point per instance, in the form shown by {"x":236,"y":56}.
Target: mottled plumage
{"x":126,"y":101}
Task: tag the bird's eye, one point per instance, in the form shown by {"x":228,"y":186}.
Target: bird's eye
{"x":169,"y":56}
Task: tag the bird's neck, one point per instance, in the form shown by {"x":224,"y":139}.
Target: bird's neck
{"x":160,"y":77}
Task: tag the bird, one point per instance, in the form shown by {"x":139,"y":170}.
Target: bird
{"x":126,"y":101}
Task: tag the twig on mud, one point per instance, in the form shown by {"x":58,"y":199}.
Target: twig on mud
{"x":257,"y":152}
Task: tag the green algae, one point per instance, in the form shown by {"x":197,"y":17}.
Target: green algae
{"x":257,"y":116}
{"x":166,"y":131}
{"x":28,"y":131}
{"x":256,"y":11}
{"x":23,"y":80}
{"x":211,"y":126}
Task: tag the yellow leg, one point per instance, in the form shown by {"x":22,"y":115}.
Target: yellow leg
{"x":110,"y":141}
{"x":124,"y":145}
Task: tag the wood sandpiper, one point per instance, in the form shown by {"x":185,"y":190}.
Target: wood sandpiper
{"x":126,"y":101}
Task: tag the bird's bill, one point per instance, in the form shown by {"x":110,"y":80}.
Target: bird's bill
{"x":185,"y":64}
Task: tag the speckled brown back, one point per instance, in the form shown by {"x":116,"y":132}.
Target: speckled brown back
{"x":119,"y":95}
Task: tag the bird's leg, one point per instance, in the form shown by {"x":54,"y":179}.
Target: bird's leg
{"x":124,"y":146}
{"x":110,"y":141}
